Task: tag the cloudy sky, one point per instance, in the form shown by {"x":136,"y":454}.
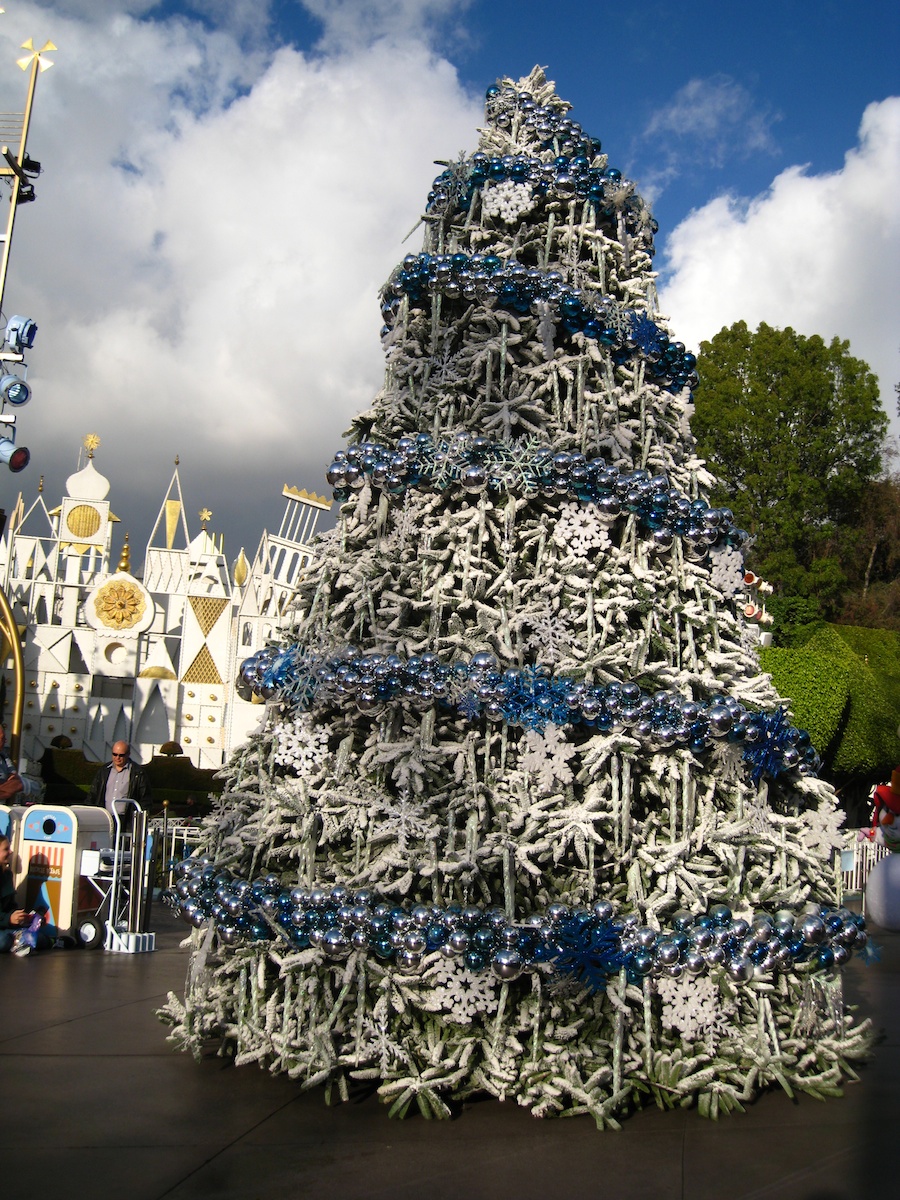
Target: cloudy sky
{"x":227,"y":183}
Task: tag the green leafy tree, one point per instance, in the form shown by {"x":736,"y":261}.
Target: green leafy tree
{"x":874,"y":598}
{"x":796,"y":427}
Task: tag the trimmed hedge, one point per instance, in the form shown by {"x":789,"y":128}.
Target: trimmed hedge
{"x":882,"y":649}
{"x":831,"y":671}
{"x":818,"y":688}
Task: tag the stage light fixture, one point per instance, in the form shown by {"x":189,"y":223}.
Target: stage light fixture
{"x":20,"y":332}
{"x":14,"y":391}
{"x":16,"y":457}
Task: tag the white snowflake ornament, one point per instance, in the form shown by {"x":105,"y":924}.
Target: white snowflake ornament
{"x":403,"y":822}
{"x":580,"y":530}
{"x":546,"y":755}
{"x":375,"y":1043}
{"x":727,"y":571}
{"x":507,"y":200}
{"x":693,"y":1005}
{"x":300,"y":744}
{"x":404,"y":530}
{"x":550,"y":637}
{"x":823,"y":828}
{"x":459,"y":993}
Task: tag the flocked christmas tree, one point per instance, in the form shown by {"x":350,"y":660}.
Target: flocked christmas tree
{"x":525,"y":818}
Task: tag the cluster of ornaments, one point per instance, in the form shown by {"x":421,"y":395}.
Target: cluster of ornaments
{"x":528,"y":698}
{"x":549,"y":126}
{"x":477,"y":465}
{"x":587,"y":944}
{"x":563,"y":178}
{"x":510,"y":285}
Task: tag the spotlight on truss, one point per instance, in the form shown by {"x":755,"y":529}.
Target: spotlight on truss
{"x":14,"y":391}
{"x":20,"y":332}
{"x":16,"y":457}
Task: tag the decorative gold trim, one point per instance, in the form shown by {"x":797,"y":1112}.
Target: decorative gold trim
{"x":207,"y":610}
{"x":83,"y":521}
{"x":295,"y":493}
{"x":203,"y":669}
{"x":119,"y":605}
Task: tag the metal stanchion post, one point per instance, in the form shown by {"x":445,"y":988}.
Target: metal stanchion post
{"x":166,"y":858}
{"x":136,"y":889}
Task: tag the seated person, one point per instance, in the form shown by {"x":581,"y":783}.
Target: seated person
{"x":11,"y":918}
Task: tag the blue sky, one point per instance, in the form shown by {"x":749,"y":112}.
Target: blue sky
{"x":776,"y":83}
{"x":227,"y":183}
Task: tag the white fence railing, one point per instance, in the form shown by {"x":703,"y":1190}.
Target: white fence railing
{"x":858,"y":856}
{"x":177,"y":840}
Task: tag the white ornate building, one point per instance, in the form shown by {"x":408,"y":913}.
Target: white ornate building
{"x":149,"y":658}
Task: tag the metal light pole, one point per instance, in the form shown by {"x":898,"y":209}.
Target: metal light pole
{"x":14,"y":166}
{"x":14,"y":163}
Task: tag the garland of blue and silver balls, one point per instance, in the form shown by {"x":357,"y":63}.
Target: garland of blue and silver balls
{"x":588,"y":944}
{"x":528,"y":698}
{"x":512,"y":286}
{"x":476,"y":464}
{"x":562,"y":179}
{"x":570,"y":174}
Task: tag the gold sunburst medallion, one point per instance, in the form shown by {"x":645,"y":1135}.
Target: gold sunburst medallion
{"x":119,"y":605}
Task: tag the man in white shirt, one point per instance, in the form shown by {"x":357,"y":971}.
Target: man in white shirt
{"x":118,"y":781}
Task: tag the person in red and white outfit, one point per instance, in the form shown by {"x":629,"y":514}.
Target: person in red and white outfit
{"x":886,"y":814}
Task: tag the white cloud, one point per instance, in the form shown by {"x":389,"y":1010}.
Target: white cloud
{"x":709,"y":122}
{"x":720,"y":118}
{"x":820,"y":253}
{"x":205,"y":253}
{"x":349,"y":23}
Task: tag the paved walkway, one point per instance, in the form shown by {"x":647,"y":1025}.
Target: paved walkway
{"x":97,"y":1104}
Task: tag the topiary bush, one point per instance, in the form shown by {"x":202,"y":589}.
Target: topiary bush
{"x":879,"y":649}
{"x":858,"y":669}
{"x":818,"y":687}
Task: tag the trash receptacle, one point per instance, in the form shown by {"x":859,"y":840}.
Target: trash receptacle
{"x":57,"y":852}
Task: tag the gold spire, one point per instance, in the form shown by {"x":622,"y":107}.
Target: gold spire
{"x":125,"y":558}
{"x":241,"y":569}
{"x":40,"y":485}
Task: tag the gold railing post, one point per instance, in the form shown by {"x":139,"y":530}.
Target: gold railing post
{"x":11,"y":632}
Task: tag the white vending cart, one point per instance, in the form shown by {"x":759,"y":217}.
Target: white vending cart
{"x":57,"y":854}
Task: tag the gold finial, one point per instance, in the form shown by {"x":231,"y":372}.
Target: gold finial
{"x":177,"y":460}
{"x":125,"y":558}
{"x":205,"y":515}
{"x":41,"y":480}
{"x":27,"y":59}
{"x":241,"y":569}
{"x":91,"y":443}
